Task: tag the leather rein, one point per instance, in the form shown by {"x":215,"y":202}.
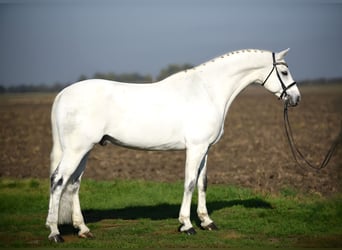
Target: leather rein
{"x":296,"y":153}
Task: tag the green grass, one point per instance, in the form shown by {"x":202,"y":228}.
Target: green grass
{"x":144,"y":214}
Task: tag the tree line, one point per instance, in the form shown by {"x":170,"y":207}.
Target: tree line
{"x":125,"y":77}
{"x":131,"y":78}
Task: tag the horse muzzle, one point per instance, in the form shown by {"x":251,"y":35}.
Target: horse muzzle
{"x":292,"y":100}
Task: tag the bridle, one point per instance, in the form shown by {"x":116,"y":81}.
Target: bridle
{"x":285,"y":88}
{"x":297,"y":154}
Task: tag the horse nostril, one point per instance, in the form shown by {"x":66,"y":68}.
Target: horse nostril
{"x":295,"y":100}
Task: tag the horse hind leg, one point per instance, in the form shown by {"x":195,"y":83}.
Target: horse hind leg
{"x":55,"y":158}
{"x":57,"y":186}
{"x":70,"y":208}
{"x":60,"y":179}
{"x":77,"y":217}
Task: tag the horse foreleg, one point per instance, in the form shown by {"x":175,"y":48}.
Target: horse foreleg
{"x":202,"y":212}
{"x":194,"y":156}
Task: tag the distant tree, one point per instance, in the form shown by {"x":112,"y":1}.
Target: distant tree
{"x":56,"y":87}
{"x":134,"y":78}
{"x":2,"y":89}
{"x":129,"y":77}
{"x":101,"y":76}
{"x":82,"y":78}
{"x":172,"y":69}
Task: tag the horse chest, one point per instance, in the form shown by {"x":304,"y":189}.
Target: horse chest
{"x":204,"y":125}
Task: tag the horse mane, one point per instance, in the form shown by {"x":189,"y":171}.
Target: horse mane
{"x":242,"y":51}
{"x":229,"y":54}
{"x":246,"y":51}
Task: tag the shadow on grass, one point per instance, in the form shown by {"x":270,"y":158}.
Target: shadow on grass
{"x":165,"y":211}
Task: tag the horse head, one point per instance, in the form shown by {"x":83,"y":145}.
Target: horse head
{"x":279,"y":80}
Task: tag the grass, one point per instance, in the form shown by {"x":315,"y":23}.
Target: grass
{"x":144,"y":214}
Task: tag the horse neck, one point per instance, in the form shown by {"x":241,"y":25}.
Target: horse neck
{"x":227,"y":76}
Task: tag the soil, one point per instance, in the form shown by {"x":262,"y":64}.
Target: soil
{"x":252,"y":153}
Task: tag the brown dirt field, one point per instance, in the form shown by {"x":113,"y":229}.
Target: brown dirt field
{"x":252,"y":153}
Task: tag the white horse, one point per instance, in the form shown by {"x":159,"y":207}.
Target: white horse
{"x":185,"y":111}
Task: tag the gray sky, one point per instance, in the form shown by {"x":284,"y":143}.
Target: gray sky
{"x":49,"y":41}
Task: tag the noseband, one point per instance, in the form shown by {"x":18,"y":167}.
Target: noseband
{"x":285,"y":88}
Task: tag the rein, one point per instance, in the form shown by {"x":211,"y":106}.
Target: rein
{"x":298,"y":155}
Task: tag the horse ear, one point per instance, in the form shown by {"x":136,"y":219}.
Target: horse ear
{"x":282,"y":54}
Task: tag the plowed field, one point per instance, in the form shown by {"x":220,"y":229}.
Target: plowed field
{"x":252,"y":153}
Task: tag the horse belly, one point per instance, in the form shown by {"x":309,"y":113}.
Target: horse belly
{"x":146,"y":126}
{"x":141,"y":135}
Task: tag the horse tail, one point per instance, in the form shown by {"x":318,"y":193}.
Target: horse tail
{"x":57,"y":151}
{"x":66,"y":205}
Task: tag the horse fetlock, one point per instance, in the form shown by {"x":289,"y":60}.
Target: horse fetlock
{"x":52,"y":226}
{"x":186,"y":230}
{"x":77,"y":224}
{"x":184,"y":220}
{"x":204,"y":218}
{"x":47,"y":225}
{"x":83,"y":229}
{"x":86,"y":235}
{"x":185,"y":224}
{"x":54,"y":235}
{"x":57,"y":238}
{"x":209,"y":227}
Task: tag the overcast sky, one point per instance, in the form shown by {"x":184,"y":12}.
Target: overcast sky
{"x":49,"y":41}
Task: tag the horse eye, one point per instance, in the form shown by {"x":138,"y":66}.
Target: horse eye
{"x":284,"y":73}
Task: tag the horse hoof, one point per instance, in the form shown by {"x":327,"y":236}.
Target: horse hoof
{"x":56,"y":238}
{"x":87,"y":235}
{"x":190,"y":231}
{"x":210,"y":227}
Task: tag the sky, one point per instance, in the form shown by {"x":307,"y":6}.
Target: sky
{"x":50,"y":41}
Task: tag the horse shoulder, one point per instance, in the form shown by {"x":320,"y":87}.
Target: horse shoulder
{"x":203,"y":121}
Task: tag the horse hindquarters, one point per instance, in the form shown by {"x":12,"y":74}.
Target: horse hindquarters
{"x":67,"y":166}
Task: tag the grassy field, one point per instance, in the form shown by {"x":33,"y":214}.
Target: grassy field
{"x":144,"y":214}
